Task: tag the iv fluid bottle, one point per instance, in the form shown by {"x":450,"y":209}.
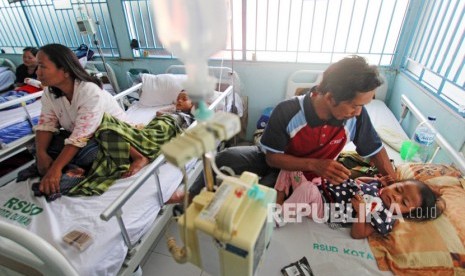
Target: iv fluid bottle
{"x":424,"y":138}
{"x":193,"y":30}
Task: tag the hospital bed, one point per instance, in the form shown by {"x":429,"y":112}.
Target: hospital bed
{"x":7,"y":73}
{"x":16,"y":128}
{"x":105,"y":73}
{"x":16,"y":124}
{"x":414,"y":248}
{"x":124,"y":222}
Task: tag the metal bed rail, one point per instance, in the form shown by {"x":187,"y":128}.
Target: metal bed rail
{"x":457,"y":159}
{"x":115,"y":208}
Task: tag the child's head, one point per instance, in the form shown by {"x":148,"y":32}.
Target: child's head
{"x":183,"y":102}
{"x":414,"y":199}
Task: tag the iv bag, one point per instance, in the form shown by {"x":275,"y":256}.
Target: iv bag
{"x":193,"y":30}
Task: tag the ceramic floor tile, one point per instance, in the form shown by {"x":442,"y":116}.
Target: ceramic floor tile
{"x":161,"y":265}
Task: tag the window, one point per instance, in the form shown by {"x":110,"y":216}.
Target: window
{"x":436,"y":55}
{"x":140,"y":22}
{"x":40,"y":22}
{"x":313,"y":31}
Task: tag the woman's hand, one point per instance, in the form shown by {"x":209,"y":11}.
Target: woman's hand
{"x":44,"y":162}
{"x":50,"y":183}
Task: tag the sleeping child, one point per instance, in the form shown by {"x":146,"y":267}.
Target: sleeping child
{"x":365,"y":204}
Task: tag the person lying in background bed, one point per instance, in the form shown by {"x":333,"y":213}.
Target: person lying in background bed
{"x":366,"y":204}
{"x":75,"y":102}
{"x":29,"y":67}
{"x":306,"y":133}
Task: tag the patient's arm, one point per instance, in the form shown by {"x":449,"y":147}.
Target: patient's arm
{"x":280,"y":197}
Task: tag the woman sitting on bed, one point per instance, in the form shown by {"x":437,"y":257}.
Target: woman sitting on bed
{"x":367,"y":204}
{"x":74,"y":102}
{"x":29,"y":67}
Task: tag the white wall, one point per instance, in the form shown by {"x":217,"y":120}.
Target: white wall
{"x":448,"y":123}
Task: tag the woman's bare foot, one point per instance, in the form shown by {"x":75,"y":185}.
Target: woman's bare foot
{"x":76,"y":172}
{"x":138,"y":162}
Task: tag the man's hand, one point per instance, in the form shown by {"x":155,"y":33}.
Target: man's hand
{"x":332,"y":170}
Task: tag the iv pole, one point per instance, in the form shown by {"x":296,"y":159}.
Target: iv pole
{"x":97,"y":44}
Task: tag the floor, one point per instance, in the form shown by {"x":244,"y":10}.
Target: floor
{"x":325,"y":249}
{"x":161,"y":263}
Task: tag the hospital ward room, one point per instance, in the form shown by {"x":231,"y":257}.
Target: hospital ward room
{"x":232,"y":137}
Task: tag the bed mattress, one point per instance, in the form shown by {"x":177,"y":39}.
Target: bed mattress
{"x":14,"y":123}
{"x":328,"y":251}
{"x":141,"y":114}
{"x":53,"y":220}
{"x":17,"y":115}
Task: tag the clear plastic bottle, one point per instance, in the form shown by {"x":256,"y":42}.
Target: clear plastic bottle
{"x":424,"y":137}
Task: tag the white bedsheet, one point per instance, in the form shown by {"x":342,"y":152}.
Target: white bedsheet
{"x":17,"y":115}
{"x":108,"y":251}
{"x":328,"y":251}
{"x":383,"y":119}
{"x":142,"y":114}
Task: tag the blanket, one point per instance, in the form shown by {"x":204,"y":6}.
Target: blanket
{"x":427,"y":248}
{"x":113,"y":157}
{"x":13,"y":95}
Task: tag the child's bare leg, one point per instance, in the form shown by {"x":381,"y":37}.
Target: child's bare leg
{"x":138,"y":162}
{"x":177,"y":196}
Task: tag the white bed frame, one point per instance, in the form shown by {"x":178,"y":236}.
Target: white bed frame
{"x":37,"y":255}
{"x":22,"y":143}
{"x":106,"y":70}
{"x":457,"y":159}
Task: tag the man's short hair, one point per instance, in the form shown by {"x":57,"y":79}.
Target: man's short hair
{"x":349,"y":76}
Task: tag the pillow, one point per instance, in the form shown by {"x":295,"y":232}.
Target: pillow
{"x":161,"y":89}
{"x":435,"y":175}
{"x":221,"y":105}
{"x":391,"y":137}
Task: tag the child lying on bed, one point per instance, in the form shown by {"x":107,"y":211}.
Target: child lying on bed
{"x":182,"y":111}
{"x":367,"y":204}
